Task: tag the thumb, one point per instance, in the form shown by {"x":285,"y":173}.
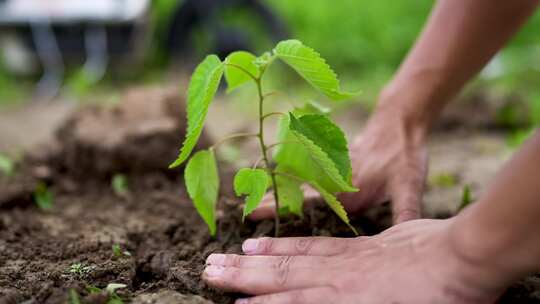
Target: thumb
{"x":406,"y":199}
{"x":267,"y":208}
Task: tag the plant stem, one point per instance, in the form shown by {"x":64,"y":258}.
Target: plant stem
{"x":232,"y":136}
{"x":273,"y":113}
{"x":264,"y":151}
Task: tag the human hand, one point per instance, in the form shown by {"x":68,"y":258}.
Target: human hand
{"x":413,"y":262}
{"x":389,"y":162}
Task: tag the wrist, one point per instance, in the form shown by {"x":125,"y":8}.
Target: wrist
{"x":483,"y":254}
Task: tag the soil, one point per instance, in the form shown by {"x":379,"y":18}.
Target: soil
{"x":45,"y":254}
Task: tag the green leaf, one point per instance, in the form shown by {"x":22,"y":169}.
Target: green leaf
{"x":236,"y":66}
{"x":320,"y":130}
{"x":335,"y":205}
{"x":120,"y":185}
{"x":311,"y":107}
{"x":290,"y":194}
{"x":306,"y":160}
{"x":253,"y":183}
{"x":43,"y":197}
{"x":314,"y":69}
{"x":263,"y":61}
{"x":202,"y":89}
{"x":310,"y":158}
{"x":466,"y":198}
{"x":202,"y":183}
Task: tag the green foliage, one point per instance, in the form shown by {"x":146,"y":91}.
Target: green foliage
{"x":237,"y":65}
{"x":120,"y":185}
{"x":110,"y":290}
{"x":314,"y":69}
{"x":335,"y":205}
{"x":74,"y":297}
{"x":326,"y":160}
{"x":202,"y":88}
{"x":202,"y":183}
{"x":445,"y":180}
{"x":43,"y":197}
{"x":80,"y":270}
{"x":253,"y":183}
{"x":328,"y":137}
{"x":7,"y":165}
{"x":311,"y":149}
{"x":118,"y":252}
{"x":466,"y":198}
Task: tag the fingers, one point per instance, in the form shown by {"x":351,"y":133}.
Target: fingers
{"x":240,"y":261}
{"x":305,"y":246}
{"x":258,"y":281}
{"x":407,"y":199}
{"x":267,"y":208}
{"x":324,"y":295}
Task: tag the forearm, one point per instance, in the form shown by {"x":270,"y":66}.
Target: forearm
{"x":501,"y":232}
{"x":460,"y":37}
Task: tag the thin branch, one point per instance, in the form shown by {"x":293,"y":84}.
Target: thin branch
{"x":256,"y":164}
{"x":301,"y":180}
{"x":272,"y":113}
{"x":231,"y":137}
{"x":281,"y":143}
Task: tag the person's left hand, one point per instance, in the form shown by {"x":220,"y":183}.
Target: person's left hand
{"x":409,"y":263}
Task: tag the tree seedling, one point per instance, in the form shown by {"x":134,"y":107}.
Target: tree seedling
{"x":43,"y":197}
{"x":310,"y":148}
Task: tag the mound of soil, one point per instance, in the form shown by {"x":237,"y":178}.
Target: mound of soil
{"x":45,"y":256}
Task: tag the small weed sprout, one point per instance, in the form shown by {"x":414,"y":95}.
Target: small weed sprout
{"x":79,"y":270}
{"x":310,"y":148}
{"x":7,"y":165}
{"x":466,"y":198}
{"x":118,"y":252}
{"x":43,"y":197}
{"x":120,"y":185}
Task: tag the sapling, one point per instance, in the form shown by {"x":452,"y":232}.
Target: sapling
{"x":310,"y":148}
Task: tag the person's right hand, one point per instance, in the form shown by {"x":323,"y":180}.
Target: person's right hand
{"x":389,"y":162}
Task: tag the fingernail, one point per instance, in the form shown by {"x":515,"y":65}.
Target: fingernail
{"x":216,"y":259}
{"x":241,"y":301}
{"x":250,"y":246}
{"x":214,"y":271}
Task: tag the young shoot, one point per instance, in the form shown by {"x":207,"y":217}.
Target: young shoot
{"x":310,"y":148}
{"x":7,"y":165}
{"x":43,"y":197}
{"x":120,"y":185}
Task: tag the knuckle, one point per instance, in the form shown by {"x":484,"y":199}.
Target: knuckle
{"x":303,"y":245}
{"x":266,"y":245}
{"x":282,"y":271}
{"x":234,"y":260}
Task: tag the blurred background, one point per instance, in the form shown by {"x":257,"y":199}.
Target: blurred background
{"x":79,"y":51}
